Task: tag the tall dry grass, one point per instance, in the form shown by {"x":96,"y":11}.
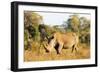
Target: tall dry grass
{"x":38,"y":53}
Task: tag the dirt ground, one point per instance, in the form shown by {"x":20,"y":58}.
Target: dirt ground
{"x":31,"y":55}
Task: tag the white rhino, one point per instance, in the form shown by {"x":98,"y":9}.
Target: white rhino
{"x":62,"y":40}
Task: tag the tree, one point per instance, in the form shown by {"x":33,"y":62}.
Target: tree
{"x":73,"y":23}
{"x":80,"y":25}
{"x":32,"y":17}
{"x":84,"y":23}
{"x":85,"y":30}
{"x":31,"y":23}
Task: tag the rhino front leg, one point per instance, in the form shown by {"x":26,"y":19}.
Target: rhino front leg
{"x":60,"y":48}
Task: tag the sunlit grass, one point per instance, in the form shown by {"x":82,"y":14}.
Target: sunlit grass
{"x":38,"y":53}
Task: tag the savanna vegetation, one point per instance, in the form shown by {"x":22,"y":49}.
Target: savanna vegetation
{"x":33,"y":46}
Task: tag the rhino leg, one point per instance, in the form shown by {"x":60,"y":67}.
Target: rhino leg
{"x":74,"y":48}
{"x":60,"y":48}
{"x":56,"y":47}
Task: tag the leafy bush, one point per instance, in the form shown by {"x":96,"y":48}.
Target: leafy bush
{"x":81,"y":26}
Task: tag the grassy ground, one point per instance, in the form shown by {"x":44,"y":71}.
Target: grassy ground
{"x":39,"y":54}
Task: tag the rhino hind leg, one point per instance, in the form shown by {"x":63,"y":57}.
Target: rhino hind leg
{"x":74,"y":48}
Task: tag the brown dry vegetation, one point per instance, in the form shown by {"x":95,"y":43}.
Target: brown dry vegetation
{"x":32,"y":20}
{"x":37,"y":54}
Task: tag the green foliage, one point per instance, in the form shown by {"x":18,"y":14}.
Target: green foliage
{"x":31,"y":23}
{"x":81,"y":26}
{"x":31,"y":18}
{"x":37,"y":37}
{"x":85,"y":30}
{"x":73,"y":23}
{"x":26,"y":36}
